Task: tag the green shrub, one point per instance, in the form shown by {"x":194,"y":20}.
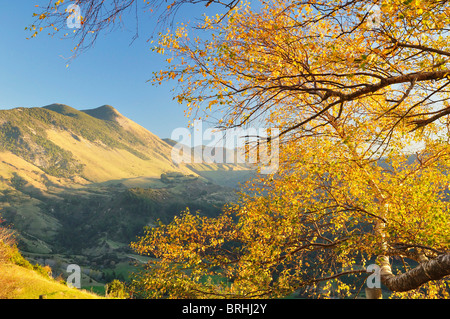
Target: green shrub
{"x":17,"y":258}
{"x":45,"y":271}
{"x":116,"y":289}
{"x":10,"y":253}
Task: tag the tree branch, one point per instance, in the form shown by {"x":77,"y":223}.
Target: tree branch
{"x":433,"y":269}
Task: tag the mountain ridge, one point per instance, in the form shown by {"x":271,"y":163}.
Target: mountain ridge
{"x":61,"y":140}
{"x":105,"y":112}
{"x":67,"y":134}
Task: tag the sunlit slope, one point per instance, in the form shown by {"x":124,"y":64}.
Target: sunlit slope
{"x":59,"y":145}
{"x":17,"y":282}
{"x":11,"y":163}
{"x":104,"y":163}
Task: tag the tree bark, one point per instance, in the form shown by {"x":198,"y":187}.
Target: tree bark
{"x":374,"y":293}
{"x":433,"y":269}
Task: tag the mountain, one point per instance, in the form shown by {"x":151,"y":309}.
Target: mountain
{"x":60,"y":145}
{"x":93,"y":146}
{"x":80,"y":185}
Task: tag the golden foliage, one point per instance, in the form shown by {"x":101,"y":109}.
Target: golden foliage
{"x":346,"y":94}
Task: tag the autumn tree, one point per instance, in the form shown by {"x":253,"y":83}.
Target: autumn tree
{"x":350,"y":94}
{"x":359,"y":92}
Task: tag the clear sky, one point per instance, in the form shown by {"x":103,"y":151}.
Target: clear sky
{"x":33,"y":73}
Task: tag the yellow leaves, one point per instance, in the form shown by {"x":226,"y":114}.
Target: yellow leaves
{"x":160,"y":50}
{"x":308,"y":8}
{"x":337,"y":176}
{"x":171,"y":5}
{"x":172,"y":75}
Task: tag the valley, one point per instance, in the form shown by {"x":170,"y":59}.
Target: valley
{"x":77,"y":187}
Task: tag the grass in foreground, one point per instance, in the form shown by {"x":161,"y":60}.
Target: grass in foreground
{"x":17,"y":282}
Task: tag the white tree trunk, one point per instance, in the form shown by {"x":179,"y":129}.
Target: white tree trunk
{"x":433,"y":269}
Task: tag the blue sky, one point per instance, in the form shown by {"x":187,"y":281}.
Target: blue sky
{"x":33,"y":73}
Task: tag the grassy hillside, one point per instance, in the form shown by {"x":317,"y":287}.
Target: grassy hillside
{"x":17,"y":282}
{"x":19,"y":279}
